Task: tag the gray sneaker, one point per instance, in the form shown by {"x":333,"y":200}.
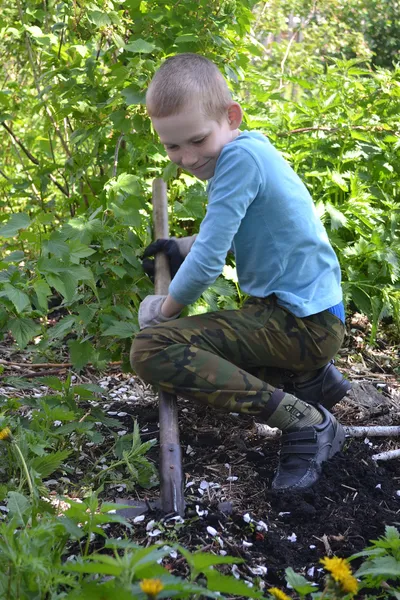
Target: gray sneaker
{"x":327,"y":387}
{"x":304,"y":451}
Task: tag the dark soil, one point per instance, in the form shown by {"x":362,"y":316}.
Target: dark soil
{"x":350,"y":505}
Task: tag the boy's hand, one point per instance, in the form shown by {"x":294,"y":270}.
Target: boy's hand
{"x":150,"y":312}
{"x":176,"y":249}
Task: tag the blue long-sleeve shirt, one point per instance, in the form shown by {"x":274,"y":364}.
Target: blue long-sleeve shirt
{"x":259,"y":207}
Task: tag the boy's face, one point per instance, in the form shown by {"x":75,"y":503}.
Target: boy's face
{"x":194,"y":141}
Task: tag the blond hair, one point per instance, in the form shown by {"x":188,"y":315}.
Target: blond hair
{"x":183,"y":77}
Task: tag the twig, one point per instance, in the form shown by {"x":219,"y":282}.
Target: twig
{"x":335,"y":129}
{"x":35,"y":161}
{"x":386,"y":455}
{"x":293,"y":37}
{"x":114,"y":173}
{"x":325,"y":541}
{"x":84,"y":416}
{"x":372,"y":431}
{"x":36,"y":81}
{"x":100,"y":45}
{"x":61,"y":40}
{"x":356,"y":431}
{"x":32,"y":374}
{"x":47,"y":365}
{"x":266,"y":431}
{"x":20,"y":144}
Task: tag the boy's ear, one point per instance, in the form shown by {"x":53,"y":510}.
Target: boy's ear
{"x":235,"y":115}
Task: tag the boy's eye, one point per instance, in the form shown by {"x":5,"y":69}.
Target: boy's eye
{"x":171,"y":147}
{"x":199,"y":141}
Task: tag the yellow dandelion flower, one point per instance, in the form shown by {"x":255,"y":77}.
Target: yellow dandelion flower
{"x":349,"y":584}
{"x":278,"y":594}
{"x":340,"y":572}
{"x":6,"y":435}
{"x":151,"y":587}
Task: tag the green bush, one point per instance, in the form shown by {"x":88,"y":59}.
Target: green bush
{"x":80,"y":156}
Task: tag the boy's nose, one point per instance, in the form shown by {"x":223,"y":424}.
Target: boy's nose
{"x":189,"y":159}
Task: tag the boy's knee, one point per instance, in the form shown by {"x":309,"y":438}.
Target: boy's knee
{"x":140,"y":353}
{"x":143,"y":355}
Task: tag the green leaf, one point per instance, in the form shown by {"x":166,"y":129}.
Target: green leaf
{"x":128,"y":183}
{"x":202,"y":561}
{"x":361,"y":299}
{"x":86,"y":390}
{"x":63,"y":327}
{"x":226,"y":584}
{"x":133,"y":95}
{"x":128,"y":213}
{"x":69,"y":285}
{"x":16,"y":222}
{"x":87,"y":313}
{"x":298,"y":582}
{"x":339,"y":180}
{"x":53,"y":382}
{"x":185,"y":38}
{"x":56,"y":282}
{"x":19,"y":507}
{"x":119,"y":271}
{"x":121,"y":544}
{"x":43,"y":291}
{"x":24,"y":330}
{"x":101,"y":19}
{"x":382,"y":566}
{"x":34,"y":30}
{"x":338,"y":219}
{"x":77,"y":250}
{"x":392,"y":533}
{"x":47,"y":464}
{"x":57,"y":246}
{"x":71,"y":528}
{"x":170,"y":171}
{"x":80,"y":353}
{"x":129,"y":255}
{"x":16,"y":296}
{"x":121,"y":329}
{"x":93,"y":567}
{"x":17,"y":256}
{"x":140,"y":46}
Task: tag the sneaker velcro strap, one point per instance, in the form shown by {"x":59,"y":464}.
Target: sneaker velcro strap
{"x":301,"y":434}
{"x":299,"y":449}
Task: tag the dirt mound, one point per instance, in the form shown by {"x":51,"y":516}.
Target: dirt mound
{"x":228,"y":470}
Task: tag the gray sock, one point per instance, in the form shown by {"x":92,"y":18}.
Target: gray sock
{"x":293,"y":414}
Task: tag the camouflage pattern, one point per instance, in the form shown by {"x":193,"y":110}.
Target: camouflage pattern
{"x":235,"y":359}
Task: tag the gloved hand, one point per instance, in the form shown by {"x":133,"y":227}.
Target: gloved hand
{"x":176,"y":250}
{"x":150,"y":312}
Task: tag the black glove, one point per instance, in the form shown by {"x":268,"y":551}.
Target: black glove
{"x":176,"y":250}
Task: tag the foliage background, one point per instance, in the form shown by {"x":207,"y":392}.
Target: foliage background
{"x":79,"y":155}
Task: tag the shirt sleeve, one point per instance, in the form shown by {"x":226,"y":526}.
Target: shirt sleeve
{"x":235,"y":185}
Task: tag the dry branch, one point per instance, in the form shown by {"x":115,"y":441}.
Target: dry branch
{"x":351,"y":431}
{"x":387,"y":455}
{"x":372,"y":431}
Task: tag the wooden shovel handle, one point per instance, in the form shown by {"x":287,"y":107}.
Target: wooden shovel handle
{"x":171,"y":479}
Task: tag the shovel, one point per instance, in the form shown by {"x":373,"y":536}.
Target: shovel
{"x":171,"y":481}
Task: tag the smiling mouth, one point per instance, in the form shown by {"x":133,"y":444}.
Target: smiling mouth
{"x":201,"y":166}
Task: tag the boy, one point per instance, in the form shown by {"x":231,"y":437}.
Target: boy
{"x":294,"y":320}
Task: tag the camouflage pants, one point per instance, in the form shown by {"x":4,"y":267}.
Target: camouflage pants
{"x":235,"y":359}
